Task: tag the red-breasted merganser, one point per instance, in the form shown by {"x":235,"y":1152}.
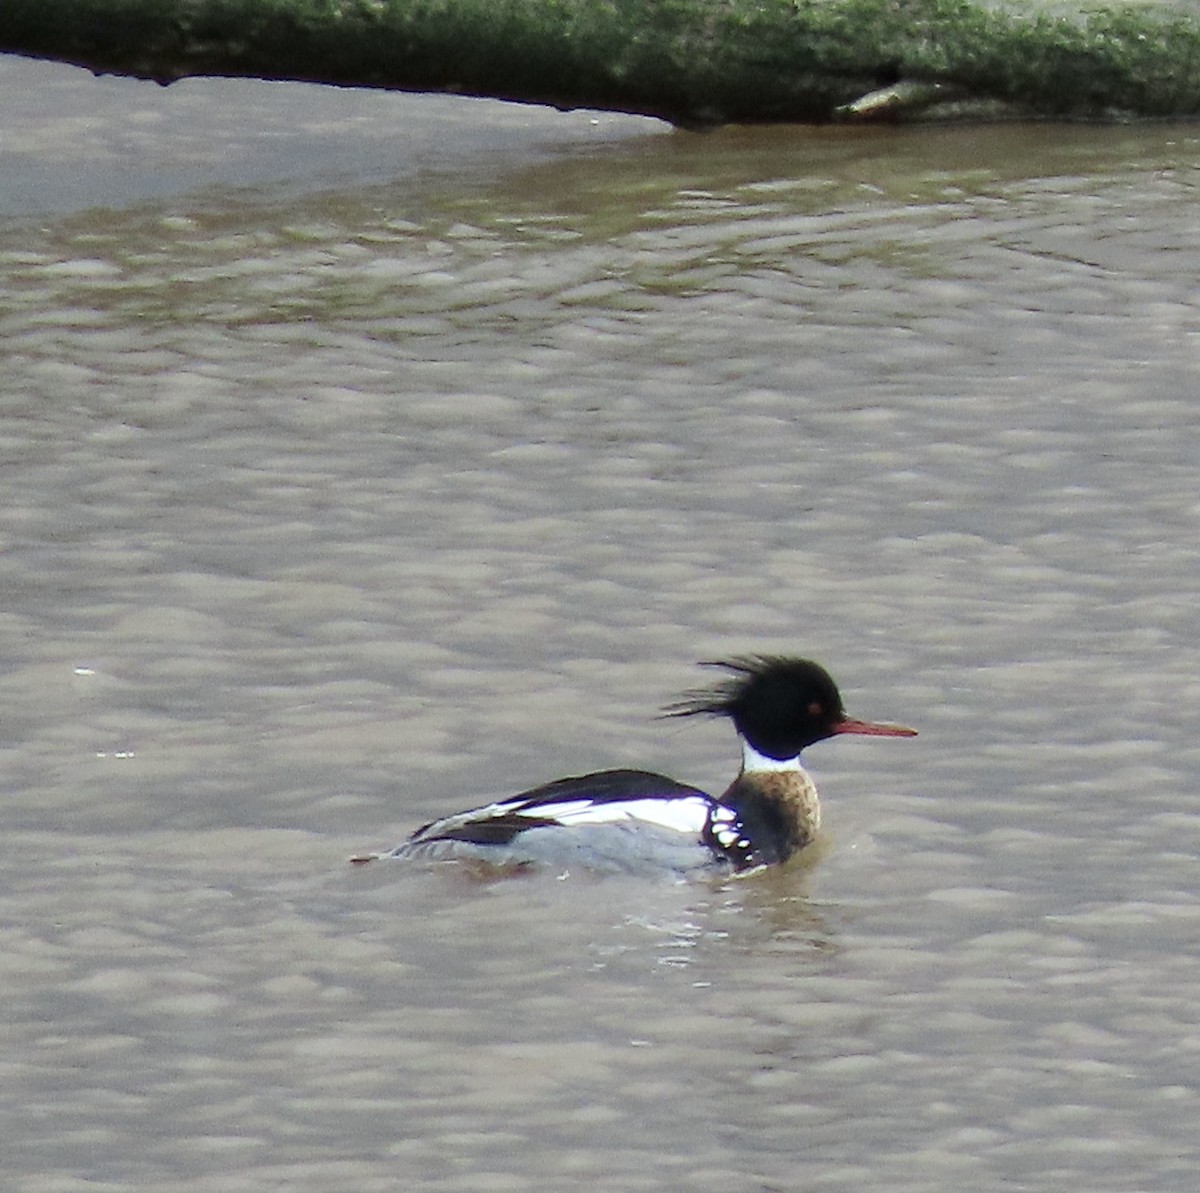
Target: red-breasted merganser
{"x":637,"y":820}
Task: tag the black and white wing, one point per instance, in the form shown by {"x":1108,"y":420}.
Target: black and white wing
{"x":615,"y":819}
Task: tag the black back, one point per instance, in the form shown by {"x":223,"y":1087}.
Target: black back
{"x":511,"y":816}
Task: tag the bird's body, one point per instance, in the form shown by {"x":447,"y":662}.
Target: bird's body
{"x":638,"y":820}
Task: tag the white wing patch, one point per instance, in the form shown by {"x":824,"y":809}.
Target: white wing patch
{"x":686,"y":815}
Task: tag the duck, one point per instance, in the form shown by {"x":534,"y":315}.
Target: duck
{"x":639,"y":821}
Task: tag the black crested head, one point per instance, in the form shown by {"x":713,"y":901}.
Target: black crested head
{"x":779,"y":705}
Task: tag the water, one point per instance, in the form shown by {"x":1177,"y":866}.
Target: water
{"x":329,"y":509}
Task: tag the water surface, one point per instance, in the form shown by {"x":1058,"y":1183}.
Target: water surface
{"x":332,"y":508}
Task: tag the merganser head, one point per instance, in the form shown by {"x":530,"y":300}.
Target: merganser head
{"x":779,"y":705}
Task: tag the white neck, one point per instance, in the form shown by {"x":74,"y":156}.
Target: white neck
{"x":755,"y":763}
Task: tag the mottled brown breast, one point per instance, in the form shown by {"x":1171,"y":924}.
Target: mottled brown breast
{"x":796,"y":793}
{"x":779,"y":813}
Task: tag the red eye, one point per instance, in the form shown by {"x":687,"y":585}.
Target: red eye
{"x":815,"y":709}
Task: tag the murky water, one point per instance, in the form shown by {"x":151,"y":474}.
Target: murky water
{"x":327,"y":509}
